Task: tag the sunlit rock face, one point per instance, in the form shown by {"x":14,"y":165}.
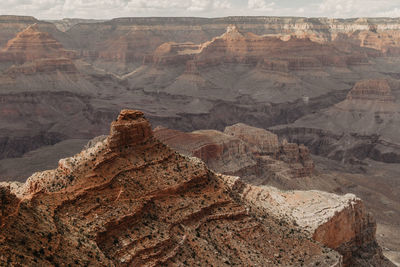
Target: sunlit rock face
{"x":130,"y":200}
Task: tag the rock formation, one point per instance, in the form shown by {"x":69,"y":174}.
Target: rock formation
{"x":146,"y":34}
{"x":270,"y":52}
{"x":32,"y":44}
{"x":339,"y":222}
{"x":34,"y":51}
{"x":130,"y":200}
{"x":221,"y":152}
{"x":362,"y":126}
{"x":370,"y":95}
{"x":252,"y":153}
{"x":322,"y":59}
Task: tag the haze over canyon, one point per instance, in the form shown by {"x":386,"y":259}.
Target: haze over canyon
{"x":259,"y":140}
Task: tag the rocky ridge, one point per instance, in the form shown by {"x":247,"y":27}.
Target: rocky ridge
{"x":130,"y":200}
{"x":376,"y":33}
{"x":254,"y":154}
{"x":362,"y":126}
{"x":34,"y":51}
{"x":269,"y":52}
{"x":370,"y":95}
{"x":339,"y":222}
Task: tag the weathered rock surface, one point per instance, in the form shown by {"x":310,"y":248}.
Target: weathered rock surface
{"x":67,"y":23}
{"x":187,"y":97}
{"x":362,"y":126}
{"x":252,"y":153}
{"x":39,"y":51}
{"x":221,"y":152}
{"x":339,"y":222}
{"x":146,"y":34}
{"x":370,"y":95}
{"x":136,"y":202}
{"x":270,"y":52}
{"x":31,"y":44}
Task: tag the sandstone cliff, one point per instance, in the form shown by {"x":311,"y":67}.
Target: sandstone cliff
{"x":130,"y":200}
{"x":339,"y":222}
{"x":33,"y":51}
{"x":252,"y":153}
{"x":200,"y":30}
{"x":278,"y":53}
{"x":370,"y":95}
{"x":362,"y":126}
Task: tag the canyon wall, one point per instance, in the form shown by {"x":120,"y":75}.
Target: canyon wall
{"x":97,"y":39}
{"x":339,"y":222}
{"x":130,"y":200}
{"x":252,"y":153}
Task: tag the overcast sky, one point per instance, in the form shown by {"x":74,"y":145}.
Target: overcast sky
{"x":106,"y":9}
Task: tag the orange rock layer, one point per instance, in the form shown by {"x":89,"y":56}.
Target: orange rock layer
{"x":32,"y":44}
{"x":268,"y":52}
{"x":242,"y":150}
{"x":131,"y":201}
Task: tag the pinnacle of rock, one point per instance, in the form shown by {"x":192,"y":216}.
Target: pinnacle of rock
{"x":129,"y":129}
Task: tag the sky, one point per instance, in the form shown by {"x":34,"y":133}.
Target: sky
{"x":107,"y":9}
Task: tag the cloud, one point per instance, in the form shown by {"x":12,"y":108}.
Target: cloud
{"x":106,"y":9}
{"x":260,"y":5}
{"x":111,"y":8}
{"x":359,"y":8}
{"x":394,"y":13}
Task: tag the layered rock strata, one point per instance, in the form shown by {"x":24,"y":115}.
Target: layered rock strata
{"x":130,"y":200}
{"x":273,"y":53}
{"x":364,"y":125}
{"x":243,"y":150}
{"x":339,"y":222}
{"x":142,"y":35}
{"x":35,"y":51}
{"x":32,"y":44}
{"x":370,"y":95}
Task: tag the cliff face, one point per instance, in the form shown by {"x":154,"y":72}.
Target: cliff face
{"x":254,"y":154}
{"x":371,"y":33}
{"x":222,"y":153}
{"x":130,"y":200}
{"x":370,"y":95}
{"x":33,"y":51}
{"x":11,"y":25}
{"x":362,"y":126}
{"x":278,"y":53}
{"x":126,"y":41}
{"x":339,"y":222}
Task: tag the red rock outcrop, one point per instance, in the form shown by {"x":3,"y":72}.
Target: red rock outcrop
{"x":339,"y":222}
{"x":32,"y":44}
{"x":129,"y":200}
{"x":388,"y":42}
{"x":128,"y":39}
{"x":219,"y":151}
{"x":268,"y":52}
{"x":129,"y":129}
{"x":377,"y":90}
{"x":34,"y":51}
{"x":260,"y":140}
{"x":242,"y":150}
{"x":370,"y":95}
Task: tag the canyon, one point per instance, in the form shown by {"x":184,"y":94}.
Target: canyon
{"x":128,"y":199}
{"x":326,"y":91}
